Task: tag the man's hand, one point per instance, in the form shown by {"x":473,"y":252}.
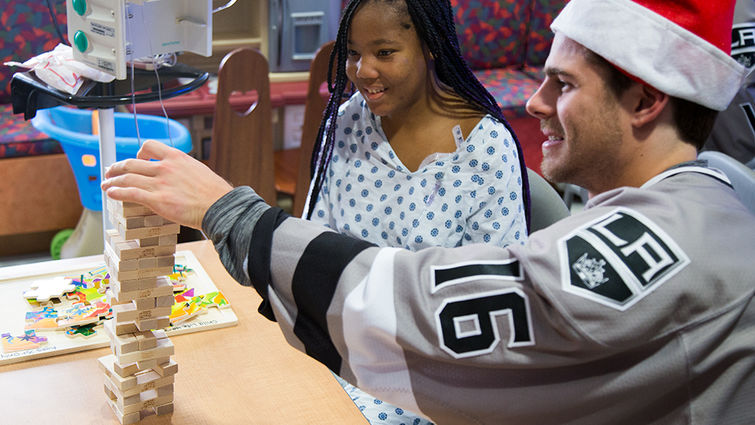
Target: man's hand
{"x":175,"y":185}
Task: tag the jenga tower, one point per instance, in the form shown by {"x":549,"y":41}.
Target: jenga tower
{"x":139,"y":254}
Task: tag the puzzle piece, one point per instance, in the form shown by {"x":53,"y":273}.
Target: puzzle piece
{"x":80,"y":314}
{"x":84,"y":330}
{"x":86,"y":295}
{"x":44,"y":289}
{"x":28,"y":341}
{"x":185,"y":297}
{"x":94,"y":279}
{"x":44,"y":319}
{"x":185,"y":311}
{"x":180,"y":273}
{"x":215,"y":299}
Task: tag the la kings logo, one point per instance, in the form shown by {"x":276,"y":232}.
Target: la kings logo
{"x":618,"y":259}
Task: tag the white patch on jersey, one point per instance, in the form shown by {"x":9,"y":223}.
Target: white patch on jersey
{"x":369,"y":331}
{"x":618,"y":259}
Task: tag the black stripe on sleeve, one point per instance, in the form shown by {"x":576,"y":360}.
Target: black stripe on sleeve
{"x":259,"y":255}
{"x":314,"y":283}
{"x":446,"y":275}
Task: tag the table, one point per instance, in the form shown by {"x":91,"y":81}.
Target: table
{"x":245,"y":374}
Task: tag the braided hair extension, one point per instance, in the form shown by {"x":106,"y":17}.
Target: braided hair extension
{"x":433,"y":21}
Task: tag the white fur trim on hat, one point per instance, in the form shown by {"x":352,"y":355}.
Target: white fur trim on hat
{"x":653,"y":49}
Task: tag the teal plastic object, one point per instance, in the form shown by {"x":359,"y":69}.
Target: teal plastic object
{"x":73,"y":129}
{"x":80,"y":6}
{"x":81,"y":41}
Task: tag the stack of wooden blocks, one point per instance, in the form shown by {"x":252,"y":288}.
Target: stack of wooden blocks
{"x":139,"y":254}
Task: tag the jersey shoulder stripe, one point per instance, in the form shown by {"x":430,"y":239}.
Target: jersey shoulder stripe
{"x":314,"y":283}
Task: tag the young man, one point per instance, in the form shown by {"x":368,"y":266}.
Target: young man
{"x":638,"y":310}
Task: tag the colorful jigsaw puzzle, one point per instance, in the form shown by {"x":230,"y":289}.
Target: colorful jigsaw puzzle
{"x":81,"y":307}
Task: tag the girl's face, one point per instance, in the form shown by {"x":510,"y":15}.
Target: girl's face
{"x":386,"y":61}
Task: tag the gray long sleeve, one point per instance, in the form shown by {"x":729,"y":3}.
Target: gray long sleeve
{"x":229,"y":224}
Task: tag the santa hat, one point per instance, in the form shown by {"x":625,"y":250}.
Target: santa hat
{"x":681,"y":48}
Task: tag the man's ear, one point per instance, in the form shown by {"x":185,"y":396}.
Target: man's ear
{"x":649,"y":103}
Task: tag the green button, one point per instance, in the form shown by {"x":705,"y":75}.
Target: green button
{"x":81,"y":41}
{"x":80,"y":6}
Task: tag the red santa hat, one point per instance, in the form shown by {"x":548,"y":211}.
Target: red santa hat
{"x":681,"y":47}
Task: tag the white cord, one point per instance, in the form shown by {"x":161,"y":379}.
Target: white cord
{"x":133,"y":108}
{"x":154,"y":58}
{"x":162,"y":105}
{"x":226,"y":6}
{"x":133,"y":94}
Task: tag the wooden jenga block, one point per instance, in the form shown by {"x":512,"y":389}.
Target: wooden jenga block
{"x":129,"y":312}
{"x":145,"y":381}
{"x":112,"y":264}
{"x":165,"y":240}
{"x":132,"y":285}
{"x":137,"y":222}
{"x":146,"y":342}
{"x":126,"y":370}
{"x":115,"y":371}
{"x":149,"y":339}
{"x":149,"y":232}
{"x":145,"y":303}
{"x":158,"y":323}
{"x":110,"y":394}
{"x":151,"y":363}
{"x":124,"y":419}
{"x":124,"y":343}
{"x":127,"y":209}
{"x":131,"y":249}
{"x":163,"y":349}
{"x":163,"y":288}
{"x":164,"y":409}
{"x":168,"y":368}
{"x":145,"y":400}
{"x":123,"y":328}
{"x":164,"y":301}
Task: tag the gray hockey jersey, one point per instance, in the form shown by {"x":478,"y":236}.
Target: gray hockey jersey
{"x":638,"y":310}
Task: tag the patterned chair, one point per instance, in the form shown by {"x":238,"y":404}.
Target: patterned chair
{"x":506,"y":42}
{"x":38,"y":188}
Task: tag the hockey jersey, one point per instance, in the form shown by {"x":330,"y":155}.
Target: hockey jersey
{"x":638,"y":310}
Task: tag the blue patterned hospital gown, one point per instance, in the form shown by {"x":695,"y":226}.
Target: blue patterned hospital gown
{"x":472,"y":195}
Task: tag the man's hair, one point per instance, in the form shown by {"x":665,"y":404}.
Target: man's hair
{"x":433,"y":21}
{"x":693,"y":121}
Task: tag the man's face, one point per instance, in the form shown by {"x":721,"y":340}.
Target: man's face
{"x":581,"y":118}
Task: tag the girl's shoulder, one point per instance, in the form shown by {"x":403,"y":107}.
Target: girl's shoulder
{"x":491,"y":131}
{"x":353,"y":105}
